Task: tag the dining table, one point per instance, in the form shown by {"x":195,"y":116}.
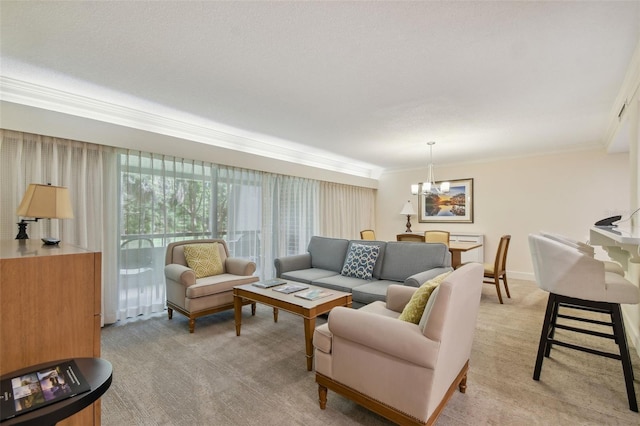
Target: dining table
{"x":456,"y":249}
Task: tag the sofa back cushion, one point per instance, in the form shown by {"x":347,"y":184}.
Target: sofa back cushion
{"x":403,"y":259}
{"x":328,"y":253}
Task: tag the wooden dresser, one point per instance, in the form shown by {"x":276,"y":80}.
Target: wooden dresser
{"x":50,"y":305}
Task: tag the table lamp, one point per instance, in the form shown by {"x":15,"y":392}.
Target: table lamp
{"x":43,"y":202}
{"x":408,"y":210}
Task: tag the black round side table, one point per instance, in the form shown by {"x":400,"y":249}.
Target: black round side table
{"x":98,"y":373}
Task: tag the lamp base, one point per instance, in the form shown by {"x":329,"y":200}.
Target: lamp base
{"x":408,"y":223}
{"x":22,"y":231}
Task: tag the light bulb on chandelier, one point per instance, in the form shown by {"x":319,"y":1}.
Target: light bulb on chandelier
{"x":430,"y":186}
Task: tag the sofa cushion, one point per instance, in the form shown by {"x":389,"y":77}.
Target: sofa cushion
{"x":402,"y":259}
{"x":327,"y":253}
{"x":360,"y":261}
{"x":308,"y":276}
{"x":372,"y":291}
{"x":204,"y":259}
{"x":339,"y":282}
{"x":413,"y":311}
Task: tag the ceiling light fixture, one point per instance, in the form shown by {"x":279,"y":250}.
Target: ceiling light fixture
{"x":430,"y":184}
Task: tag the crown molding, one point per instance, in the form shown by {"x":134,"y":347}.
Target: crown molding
{"x":38,"y":96}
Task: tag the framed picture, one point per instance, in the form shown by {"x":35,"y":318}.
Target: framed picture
{"x":453,"y":206}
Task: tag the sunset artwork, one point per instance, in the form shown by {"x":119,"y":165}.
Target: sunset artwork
{"x":456,"y":205}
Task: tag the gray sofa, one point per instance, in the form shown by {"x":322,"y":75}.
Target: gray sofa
{"x":405,"y":263}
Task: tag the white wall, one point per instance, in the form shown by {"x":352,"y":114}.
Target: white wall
{"x":564,"y":193}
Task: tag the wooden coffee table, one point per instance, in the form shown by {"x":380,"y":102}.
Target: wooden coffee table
{"x":307,"y":309}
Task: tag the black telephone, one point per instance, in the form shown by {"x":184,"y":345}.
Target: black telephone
{"x":608,"y":221}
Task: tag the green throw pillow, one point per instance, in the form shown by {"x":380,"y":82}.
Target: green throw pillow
{"x":204,"y":259}
{"x":413,"y":310}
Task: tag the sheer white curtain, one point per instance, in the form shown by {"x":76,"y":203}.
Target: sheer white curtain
{"x":82,"y":167}
{"x":238,"y":196}
{"x":290,"y":216}
{"x":162,"y":199}
{"x":346,"y":210}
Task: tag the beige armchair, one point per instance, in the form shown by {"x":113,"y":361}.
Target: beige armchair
{"x":403,"y":371}
{"x":196,"y":297}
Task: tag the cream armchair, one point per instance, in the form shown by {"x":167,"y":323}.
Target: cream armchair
{"x":403,"y":371}
{"x":196,"y":297}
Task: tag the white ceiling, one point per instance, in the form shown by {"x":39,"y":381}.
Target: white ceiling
{"x":368,"y":81}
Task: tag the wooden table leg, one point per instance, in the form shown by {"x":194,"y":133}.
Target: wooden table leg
{"x":456,"y":258}
{"x":309,"y":327}
{"x":275,"y":314}
{"x":237,"y":312}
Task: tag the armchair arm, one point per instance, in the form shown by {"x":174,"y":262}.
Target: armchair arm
{"x":180,"y":274}
{"x":240,"y":266}
{"x":420,"y":278}
{"x":292,"y":263}
{"x":398,"y":296}
{"x":399,"y":339}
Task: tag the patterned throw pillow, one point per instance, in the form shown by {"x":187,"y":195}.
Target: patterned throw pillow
{"x":413,"y":310}
{"x":360,"y":261}
{"x":204,"y":259}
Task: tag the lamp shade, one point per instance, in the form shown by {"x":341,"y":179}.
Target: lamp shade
{"x":45,"y":201}
{"x":408,"y":209}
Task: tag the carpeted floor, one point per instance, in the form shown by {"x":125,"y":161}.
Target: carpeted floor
{"x":165,"y":376}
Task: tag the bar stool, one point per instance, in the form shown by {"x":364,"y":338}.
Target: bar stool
{"x":576,"y":280}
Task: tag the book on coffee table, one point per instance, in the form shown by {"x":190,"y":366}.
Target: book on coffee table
{"x":314,"y":294}
{"x":290,"y":288}
{"x":269,"y":283}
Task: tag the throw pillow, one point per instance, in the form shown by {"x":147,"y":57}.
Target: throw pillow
{"x":413,"y":310}
{"x":204,"y":259}
{"x":360,"y":261}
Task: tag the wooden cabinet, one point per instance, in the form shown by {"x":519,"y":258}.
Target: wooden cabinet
{"x":475,"y":255}
{"x":50,"y":305}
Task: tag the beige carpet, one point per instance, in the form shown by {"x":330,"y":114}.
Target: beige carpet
{"x":165,"y":376}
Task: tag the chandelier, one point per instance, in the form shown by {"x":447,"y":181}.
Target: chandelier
{"x":429,"y":186}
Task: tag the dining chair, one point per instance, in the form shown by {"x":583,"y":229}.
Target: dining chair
{"x":368,"y":234}
{"x":417,"y":238}
{"x":434,"y":236}
{"x":497,"y":270}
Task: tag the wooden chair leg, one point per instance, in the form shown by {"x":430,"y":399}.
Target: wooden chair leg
{"x":322,"y":396}
{"x":192,"y":325}
{"x":506,"y":285}
{"x":552,"y":328}
{"x":618,"y":331}
{"x":497,"y":282}
{"x":544,"y":335}
{"x":462,"y":386}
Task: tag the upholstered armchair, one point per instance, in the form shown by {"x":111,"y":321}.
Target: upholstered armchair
{"x":200,"y":277}
{"x":402,"y":370}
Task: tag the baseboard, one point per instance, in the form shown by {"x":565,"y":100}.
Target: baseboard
{"x":528,"y":276}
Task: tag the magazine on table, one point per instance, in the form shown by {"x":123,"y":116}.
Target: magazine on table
{"x":290,"y":288}
{"x":269,"y":283}
{"x":39,"y":388}
{"x":314,"y":294}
